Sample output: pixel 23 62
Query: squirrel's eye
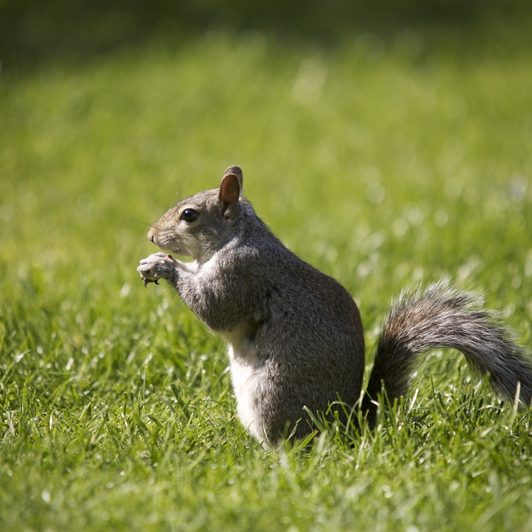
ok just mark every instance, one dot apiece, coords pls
pixel 189 215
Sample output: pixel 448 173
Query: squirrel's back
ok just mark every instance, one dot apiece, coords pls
pixel 305 333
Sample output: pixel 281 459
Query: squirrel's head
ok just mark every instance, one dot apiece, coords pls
pixel 201 224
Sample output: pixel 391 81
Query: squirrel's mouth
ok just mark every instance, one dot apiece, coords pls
pixel 162 242
pixel 171 246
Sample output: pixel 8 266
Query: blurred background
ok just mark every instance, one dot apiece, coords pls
pixel 381 140
pixel 35 30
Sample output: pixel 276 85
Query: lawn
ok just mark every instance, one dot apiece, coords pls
pixel 386 157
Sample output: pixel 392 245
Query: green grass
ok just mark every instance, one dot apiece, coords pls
pixel 383 160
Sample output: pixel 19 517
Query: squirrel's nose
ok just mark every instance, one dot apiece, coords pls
pixel 151 235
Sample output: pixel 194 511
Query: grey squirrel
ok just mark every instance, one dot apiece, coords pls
pixel 295 338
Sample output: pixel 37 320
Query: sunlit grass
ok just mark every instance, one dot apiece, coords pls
pixel 384 162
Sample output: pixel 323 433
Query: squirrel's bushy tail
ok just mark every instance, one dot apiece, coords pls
pixel 438 317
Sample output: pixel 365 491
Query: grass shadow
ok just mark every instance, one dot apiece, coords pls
pixel 32 33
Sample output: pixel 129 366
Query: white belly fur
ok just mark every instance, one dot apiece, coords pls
pixel 246 370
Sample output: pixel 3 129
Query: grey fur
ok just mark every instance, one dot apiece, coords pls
pixel 295 336
pixel 442 316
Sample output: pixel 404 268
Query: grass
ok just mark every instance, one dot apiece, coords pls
pixel 384 160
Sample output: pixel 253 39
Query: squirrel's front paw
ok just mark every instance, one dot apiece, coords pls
pixel 157 266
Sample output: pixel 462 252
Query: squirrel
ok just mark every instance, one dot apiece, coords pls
pixel 294 334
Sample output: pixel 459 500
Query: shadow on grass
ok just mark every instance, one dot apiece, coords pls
pixel 34 32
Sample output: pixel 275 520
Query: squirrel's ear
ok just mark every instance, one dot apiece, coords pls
pixel 231 186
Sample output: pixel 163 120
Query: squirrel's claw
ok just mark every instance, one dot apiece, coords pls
pixel 148 281
pixel 155 267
